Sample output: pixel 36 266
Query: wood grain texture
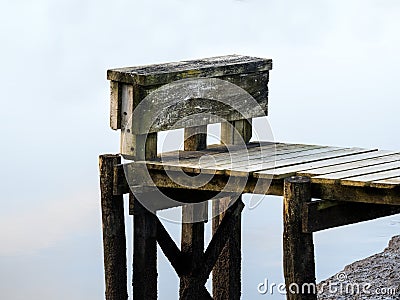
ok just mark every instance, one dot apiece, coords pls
pixel 362 174
pixel 144 279
pixel 298 247
pixel 308 169
pixel 192 234
pixel 236 132
pixel 115 105
pixel 201 102
pixel 114 241
pixel 227 269
pixel 365 165
pixel 207 67
pixel 128 142
pixel 386 183
pixel 316 216
pixel 195 138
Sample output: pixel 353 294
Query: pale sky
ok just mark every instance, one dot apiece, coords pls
pixel 334 82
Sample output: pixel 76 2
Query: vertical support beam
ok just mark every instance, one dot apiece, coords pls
pixel 144 280
pixel 227 270
pixel 145 146
pixel 115 105
pixel 114 242
pixel 233 132
pixel 195 138
pixel 192 236
pixel 127 142
pixel 138 147
pixel 192 247
pixel 298 247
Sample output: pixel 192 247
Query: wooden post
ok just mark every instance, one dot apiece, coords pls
pixel 227 270
pixel 144 280
pixel 114 242
pixel 192 236
pixel 298 247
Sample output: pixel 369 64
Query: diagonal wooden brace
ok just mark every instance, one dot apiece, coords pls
pixel 214 249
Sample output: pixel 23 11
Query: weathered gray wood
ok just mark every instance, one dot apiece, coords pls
pixel 259 168
pixel 227 269
pixel 386 183
pixel 137 147
pixel 359 174
pixel 365 180
pixel 208 67
pixel 307 169
pixel 353 193
pixel 192 246
pixel 192 236
pixel 221 155
pixel 201 102
pixel 353 166
pixel 115 105
pixel 195 138
pixel 220 238
pixel 144 279
pixel 171 251
pixel 236 132
pixel 114 242
pixel 320 215
pixel 320 191
pixel 140 147
pixel 127 143
pixel 218 151
pixel 248 78
pixel 298 247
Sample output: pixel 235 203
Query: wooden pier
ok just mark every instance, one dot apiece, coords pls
pixel 322 186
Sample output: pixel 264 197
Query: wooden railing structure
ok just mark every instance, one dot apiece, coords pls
pixel 322 187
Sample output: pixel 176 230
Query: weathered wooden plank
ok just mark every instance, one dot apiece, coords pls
pixel 386 183
pixel 192 246
pixel 227 269
pixel 224 232
pixel 266 152
pixel 215 150
pixel 114 241
pixel 237 132
pixel 348 167
pixel 260 170
pixel 257 155
pixel 317 215
pixel 319 191
pixel 283 172
pixel 208 67
pixel 144 279
pixel 252 163
pixel 364 194
pixel 171 250
pixel 357 172
pixel 195 138
pixel 238 152
pixel 192 235
pixel 365 180
pixel 115 105
pixel 128 144
pixel 361 176
pixel 201 102
pixel 298 247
